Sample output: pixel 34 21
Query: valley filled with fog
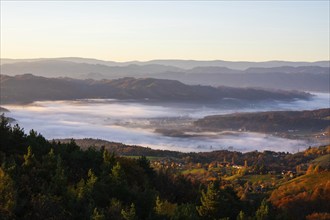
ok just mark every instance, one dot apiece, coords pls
pixel 143 123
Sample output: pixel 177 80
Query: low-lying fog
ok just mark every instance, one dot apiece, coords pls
pixel 135 123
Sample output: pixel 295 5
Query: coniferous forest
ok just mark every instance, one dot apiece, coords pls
pixel 40 179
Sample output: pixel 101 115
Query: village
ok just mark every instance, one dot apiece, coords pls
pixel 250 178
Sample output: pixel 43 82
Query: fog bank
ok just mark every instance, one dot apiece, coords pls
pixel 134 123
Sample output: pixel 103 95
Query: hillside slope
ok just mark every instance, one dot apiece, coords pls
pixel 274 121
pixel 28 88
pixel 304 195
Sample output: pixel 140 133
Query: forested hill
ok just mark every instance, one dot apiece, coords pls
pixel 289 161
pixel 273 121
pixel 28 88
pixel 51 180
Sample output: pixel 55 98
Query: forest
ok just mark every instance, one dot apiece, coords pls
pixel 42 179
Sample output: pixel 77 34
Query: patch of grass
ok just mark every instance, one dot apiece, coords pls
pixel 309 180
pixel 261 178
pixel 194 171
pixel 323 161
pixel 151 158
pixel 233 177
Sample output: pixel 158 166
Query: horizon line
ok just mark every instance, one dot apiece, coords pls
pixel 164 59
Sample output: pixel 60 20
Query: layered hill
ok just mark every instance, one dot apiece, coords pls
pixel 313 76
pixel 274 121
pixel 29 88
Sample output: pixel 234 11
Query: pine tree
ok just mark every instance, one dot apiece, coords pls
pixel 29 159
pixel 263 212
pixel 59 179
pixel 7 195
pixel 130 213
pixel 165 208
pixel 118 174
pixel 49 161
pixel 241 216
pixel 210 200
pixel 91 180
pixel 145 164
pixel 97 215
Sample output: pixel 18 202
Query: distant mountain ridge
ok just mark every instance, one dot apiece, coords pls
pixel 183 64
pixel 29 88
pixel 307 78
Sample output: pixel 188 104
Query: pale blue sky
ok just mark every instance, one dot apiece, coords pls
pixel 122 31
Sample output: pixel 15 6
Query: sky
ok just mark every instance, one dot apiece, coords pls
pixel 146 30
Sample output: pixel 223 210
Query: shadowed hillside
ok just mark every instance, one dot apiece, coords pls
pixel 28 88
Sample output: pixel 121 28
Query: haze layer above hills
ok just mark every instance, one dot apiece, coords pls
pixel 311 76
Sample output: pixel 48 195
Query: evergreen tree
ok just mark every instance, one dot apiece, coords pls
pixel 185 211
pixel 7 195
pixel 263 211
pixel 129 214
pixel 97 215
pixel 49 161
pixel 241 216
pixel 114 210
pixel 145 164
pixel 165 208
pixel 29 159
pixel 210 208
pixel 91 180
pixel 118 174
pixel 59 179
pixel 108 162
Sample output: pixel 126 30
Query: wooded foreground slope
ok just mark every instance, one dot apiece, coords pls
pixel 40 179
